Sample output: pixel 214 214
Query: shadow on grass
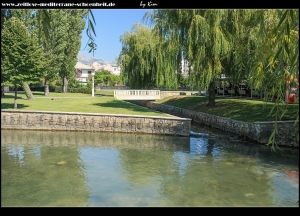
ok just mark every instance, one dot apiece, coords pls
pixel 12 96
pixel 124 105
pixel 104 95
pixel 191 103
pixel 38 94
pixel 242 110
pixel 11 106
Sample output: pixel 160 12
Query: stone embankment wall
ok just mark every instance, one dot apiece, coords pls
pixel 172 93
pixel 64 121
pixel 257 131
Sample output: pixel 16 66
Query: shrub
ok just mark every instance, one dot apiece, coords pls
pixel 58 89
pixel 82 89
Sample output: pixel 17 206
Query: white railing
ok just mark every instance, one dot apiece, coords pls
pixel 137 94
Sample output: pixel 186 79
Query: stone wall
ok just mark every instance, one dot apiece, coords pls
pixel 64 121
pixel 257 131
pixel 173 93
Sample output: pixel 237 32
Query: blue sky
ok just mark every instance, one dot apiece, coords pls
pixel 110 25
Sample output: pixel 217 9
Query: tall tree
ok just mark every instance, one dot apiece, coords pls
pixel 73 23
pixel 21 57
pixel 142 60
pixel 5 14
pixel 27 17
pixel 200 39
pixel 53 46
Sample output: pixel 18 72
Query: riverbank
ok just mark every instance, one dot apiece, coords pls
pixel 94 122
pixel 257 131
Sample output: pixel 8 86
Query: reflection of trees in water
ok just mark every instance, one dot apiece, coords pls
pixel 211 173
pixel 30 175
pixel 246 147
pixel 224 177
pixel 200 180
pixel 95 139
pixel 62 185
pixel 144 164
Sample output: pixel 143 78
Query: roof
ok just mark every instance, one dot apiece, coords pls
pixel 79 65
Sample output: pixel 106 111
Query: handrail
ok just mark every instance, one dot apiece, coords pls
pixel 137 94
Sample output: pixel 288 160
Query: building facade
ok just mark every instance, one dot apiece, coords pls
pixel 83 72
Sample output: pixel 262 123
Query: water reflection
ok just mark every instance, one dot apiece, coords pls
pixel 107 169
pixel 31 175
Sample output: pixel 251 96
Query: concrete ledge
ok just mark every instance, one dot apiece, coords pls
pixel 257 131
pixel 70 121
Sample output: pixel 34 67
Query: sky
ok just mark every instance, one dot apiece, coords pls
pixel 110 25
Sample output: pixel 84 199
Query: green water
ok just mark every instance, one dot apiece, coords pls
pixel 40 168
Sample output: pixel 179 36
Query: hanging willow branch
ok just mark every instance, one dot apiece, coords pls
pixel 90 31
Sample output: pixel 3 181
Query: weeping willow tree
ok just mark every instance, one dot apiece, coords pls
pixel 276 60
pixel 143 61
pixel 199 38
pixel 260 46
pixel 238 28
pixel 267 48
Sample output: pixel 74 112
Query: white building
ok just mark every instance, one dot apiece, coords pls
pixel 83 72
pixel 116 70
pixel 97 66
pixel 184 68
pixel 111 68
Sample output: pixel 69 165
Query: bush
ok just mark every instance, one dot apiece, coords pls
pixel 58 89
pixel 82 89
pixel 51 89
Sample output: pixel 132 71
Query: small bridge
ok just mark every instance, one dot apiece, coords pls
pixel 137 94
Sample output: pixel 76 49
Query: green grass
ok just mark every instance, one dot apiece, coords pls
pixel 238 109
pixel 105 92
pixel 104 102
pixel 75 102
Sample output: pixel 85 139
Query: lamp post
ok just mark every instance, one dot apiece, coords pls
pixel 93 73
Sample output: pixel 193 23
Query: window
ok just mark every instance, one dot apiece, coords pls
pixel 78 73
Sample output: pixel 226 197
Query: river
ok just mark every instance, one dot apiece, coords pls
pixel 210 168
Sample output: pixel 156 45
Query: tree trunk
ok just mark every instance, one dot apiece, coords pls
pixel 46 87
pixel 65 85
pixel 27 90
pixel 2 91
pixel 211 94
pixel 15 100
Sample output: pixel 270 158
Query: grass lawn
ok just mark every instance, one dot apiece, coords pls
pixel 238 109
pixel 105 92
pixel 104 102
pixel 76 102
